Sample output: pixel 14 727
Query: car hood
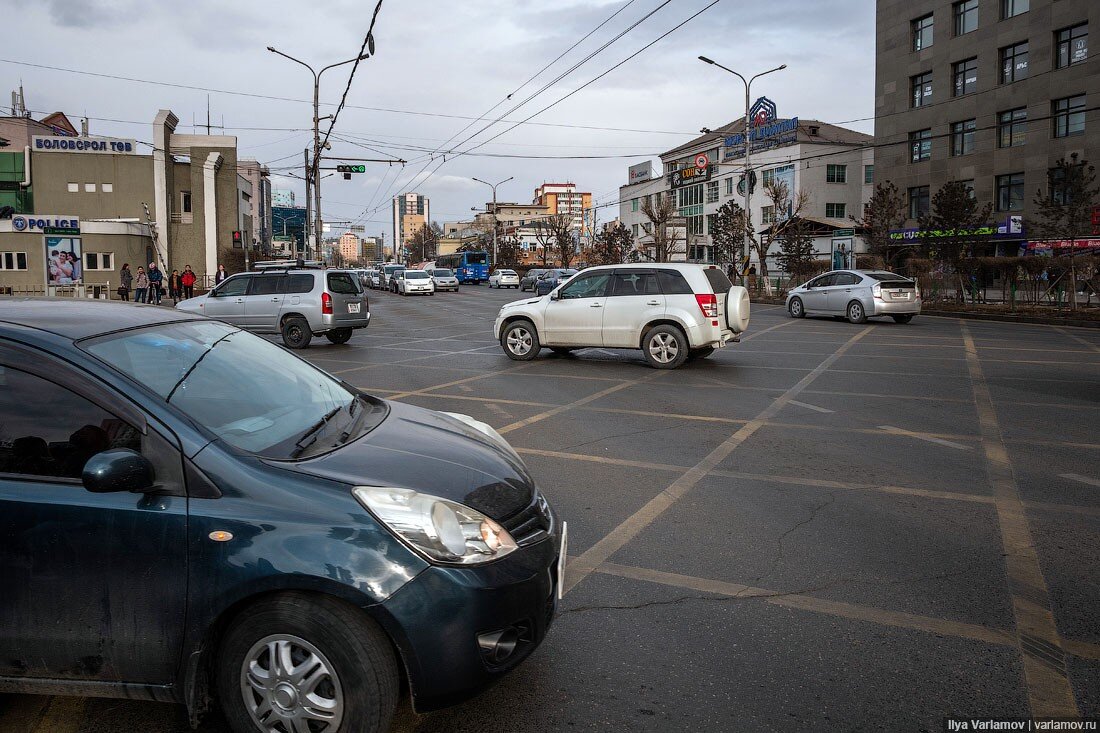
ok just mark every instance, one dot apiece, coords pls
pixel 432 453
pixel 191 305
pixel 525 301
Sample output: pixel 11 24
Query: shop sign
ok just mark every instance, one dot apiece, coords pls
pixel 766 131
pixel 60 144
pixel 640 172
pixel 689 175
pixel 1012 227
pixel 39 223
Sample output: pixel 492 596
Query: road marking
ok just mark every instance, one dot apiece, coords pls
pixel 873 395
pixel 577 403
pixel 1078 339
pixel 62 715
pixel 602 551
pixel 485 375
pixel 815 408
pixel 1049 691
pixel 1081 479
pixel 923 436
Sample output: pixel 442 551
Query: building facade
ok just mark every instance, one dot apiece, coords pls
pixel 564 198
pixel 260 202
pixel 282 197
pixel 411 211
pixel 988 92
pixel 350 248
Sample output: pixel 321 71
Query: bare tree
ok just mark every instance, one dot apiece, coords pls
pixel 796 250
pixel 565 246
pixel 948 227
pixel 885 211
pixel 508 251
pixel 661 212
pixel 611 246
pixel 546 238
pixel 1065 212
pixel 423 244
pixel 788 215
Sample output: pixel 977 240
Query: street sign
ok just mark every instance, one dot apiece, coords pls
pixel 60 230
pixel 844 232
pixel 701 160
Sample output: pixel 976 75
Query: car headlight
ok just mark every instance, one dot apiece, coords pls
pixel 442 531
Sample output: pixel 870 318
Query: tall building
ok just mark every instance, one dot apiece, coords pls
pixel 260 200
pixel 410 213
pixel 564 198
pixel 988 92
pixel 372 249
pixel 350 248
pixel 284 198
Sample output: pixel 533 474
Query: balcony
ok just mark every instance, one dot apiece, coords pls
pixel 181 217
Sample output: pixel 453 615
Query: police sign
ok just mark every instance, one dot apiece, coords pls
pixel 39 223
pixel 60 144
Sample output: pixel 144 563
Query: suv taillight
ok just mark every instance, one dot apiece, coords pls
pixel 326 304
pixel 708 303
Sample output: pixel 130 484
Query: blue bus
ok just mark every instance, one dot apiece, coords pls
pixel 468 267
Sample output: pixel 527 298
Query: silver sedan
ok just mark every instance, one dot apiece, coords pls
pixel 856 295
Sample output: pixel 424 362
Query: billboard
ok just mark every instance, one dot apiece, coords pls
pixel 640 172
pixel 64 265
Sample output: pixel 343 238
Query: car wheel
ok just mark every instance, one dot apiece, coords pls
pixel 855 312
pixel 302 662
pixel 665 347
pixel 296 333
pixel 562 350
pixel 520 341
pixel 906 318
pixel 796 309
pixel 701 353
pixel 339 335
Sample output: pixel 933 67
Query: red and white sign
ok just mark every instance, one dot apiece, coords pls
pixel 701 160
pixel 1064 244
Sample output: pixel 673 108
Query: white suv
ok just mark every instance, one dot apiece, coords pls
pixel 672 312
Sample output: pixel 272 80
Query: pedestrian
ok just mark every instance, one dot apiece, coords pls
pixel 126 281
pixel 220 275
pixel 187 281
pixel 175 286
pixel 752 278
pixel 141 286
pixel 156 282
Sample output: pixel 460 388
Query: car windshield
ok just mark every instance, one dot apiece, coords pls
pixel 249 392
pixel 416 275
pixel 443 273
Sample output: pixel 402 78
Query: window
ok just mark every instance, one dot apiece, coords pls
pixel 13 261
pixel 633 204
pixel 869 174
pixel 729 186
pixel 1072 46
pixel 185 202
pixel 1069 116
pixel 835 211
pixel 922 33
pixel 74 187
pixel 89 188
pixel 699 253
pixel 1012 128
pixel 965 73
pixel 626 283
pixel 920 146
pixel 712 191
pixel 969 185
pixel 822 282
pixel 1056 182
pixel 1014 63
pixel 767 214
pixel 99 261
pixel 769 176
pixel 267 284
pixel 694 225
pixel 673 283
pixel 634 230
pixel 921 88
pixel 1010 192
pixel 54 431
pixel 1011 8
pixel 712 223
pixel 299 283
pixel 836 173
pixel 107 187
pixel 918 202
pixel 966 16
pixel 962 137
pixel 237 285
pixel 846 278
pixel 586 286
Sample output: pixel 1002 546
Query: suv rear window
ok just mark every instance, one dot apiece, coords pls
pixel 299 283
pixel 673 283
pixel 342 283
pixel 719 283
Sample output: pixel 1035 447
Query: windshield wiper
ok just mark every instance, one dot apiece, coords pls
pixel 309 437
pixel 356 419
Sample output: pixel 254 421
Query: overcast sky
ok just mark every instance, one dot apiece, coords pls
pixel 442 60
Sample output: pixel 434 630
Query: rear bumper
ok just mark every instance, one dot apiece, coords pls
pixel 893 308
pixel 329 322
pixel 700 335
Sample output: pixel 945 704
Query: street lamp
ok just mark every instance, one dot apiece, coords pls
pixel 494 187
pixel 748 143
pixel 316 167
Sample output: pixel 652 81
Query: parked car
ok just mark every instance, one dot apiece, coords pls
pixel 388 271
pixel 411 282
pixel 857 295
pixel 504 279
pixel 297 303
pixel 192 512
pixel 444 279
pixel 527 282
pixel 376 279
pixel 672 312
pixel 551 279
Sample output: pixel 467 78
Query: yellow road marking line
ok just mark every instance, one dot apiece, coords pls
pixel 1078 339
pixel 923 436
pixel 1081 479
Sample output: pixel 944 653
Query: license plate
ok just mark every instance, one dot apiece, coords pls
pixel 562 557
pixel 901 295
pixel 354 307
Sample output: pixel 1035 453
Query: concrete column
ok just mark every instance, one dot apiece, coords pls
pixel 164 125
pixel 210 210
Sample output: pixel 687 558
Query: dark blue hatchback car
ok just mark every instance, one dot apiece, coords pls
pixel 190 512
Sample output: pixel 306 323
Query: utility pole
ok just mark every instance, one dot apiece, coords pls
pixel 494 187
pixel 308 223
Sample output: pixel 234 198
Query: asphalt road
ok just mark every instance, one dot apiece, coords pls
pixel 825 527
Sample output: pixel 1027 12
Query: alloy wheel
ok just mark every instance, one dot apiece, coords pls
pixel 519 341
pixel 664 347
pixel 288 685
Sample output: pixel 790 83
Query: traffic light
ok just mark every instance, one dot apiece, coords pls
pixel 347 170
pixel 237 241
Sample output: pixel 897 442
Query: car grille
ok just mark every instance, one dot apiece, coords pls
pixel 531 524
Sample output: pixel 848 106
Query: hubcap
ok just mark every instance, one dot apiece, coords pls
pixel 664 347
pixel 288 686
pixel 856 311
pixel 520 341
pixel 796 307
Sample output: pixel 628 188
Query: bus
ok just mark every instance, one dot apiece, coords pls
pixel 468 267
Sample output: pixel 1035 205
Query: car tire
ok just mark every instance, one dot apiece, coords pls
pixel 665 347
pixel 351 656
pixel 339 335
pixel 295 332
pixel 700 353
pixel 904 318
pixel 856 312
pixel 796 309
pixel 520 341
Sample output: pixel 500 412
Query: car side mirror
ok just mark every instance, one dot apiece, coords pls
pixel 555 295
pixel 117 470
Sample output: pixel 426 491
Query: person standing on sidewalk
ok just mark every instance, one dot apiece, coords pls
pixel 125 281
pixel 187 281
pixel 156 282
pixel 175 286
pixel 220 275
pixel 141 285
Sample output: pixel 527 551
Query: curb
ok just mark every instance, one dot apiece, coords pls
pixel 1008 318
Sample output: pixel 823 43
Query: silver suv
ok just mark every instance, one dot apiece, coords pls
pixel 296 303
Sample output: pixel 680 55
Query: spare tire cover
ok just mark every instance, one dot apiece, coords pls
pixel 737 309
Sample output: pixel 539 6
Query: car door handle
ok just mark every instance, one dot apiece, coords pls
pixel 274 300
pixel 596 305
pixel 847 290
pixel 653 302
pixel 240 300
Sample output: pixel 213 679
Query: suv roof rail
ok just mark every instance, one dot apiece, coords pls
pixel 288 265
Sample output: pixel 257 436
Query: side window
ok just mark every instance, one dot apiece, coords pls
pixel 267 284
pixel 297 284
pixel 848 279
pixel 634 283
pixel 823 281
pixel 51 431
pixel 233 286
pixel 673 283
pixel 342 283
pixel 590 286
